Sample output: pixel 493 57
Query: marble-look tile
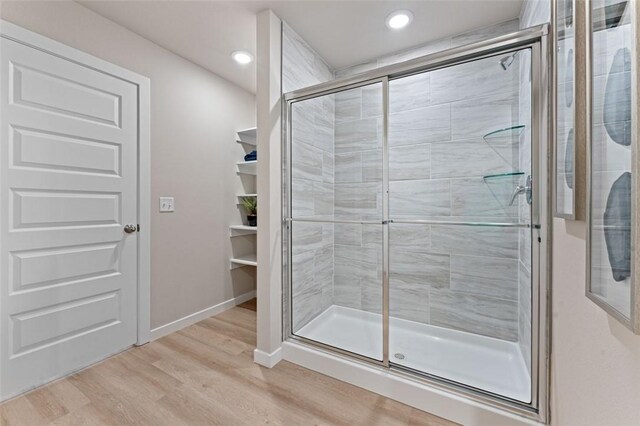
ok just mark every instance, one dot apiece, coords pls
pixel 305 307
pixel 357 135
pixel 306 237
pixel 409 302
pixel 327 296
pixel 372 166
pixel 328 167
pixel 474 313
pixel 475 240
pixel 346 290
pixel 324 129
pixel 524 313
pixel 471 80
pixel 323 265
pixel 302 272
pixel 487 276
pixel 355 201
pixel 371 296
pixel 473 118
pixel 372 238
pixel 422 125
pixel 323 199
pixel 372 100
pixel 524 341
pixel 358 262
pixel 419 199
pixel 409 237
pixel 301 65
pixel 474 197
pixel 348 105
pixel 355 267
pixel 348 234
pixel 468 158
pixel 302 203
pixel 524 246
pixel 524 292
pixel 303 123
pixel 419 268
pixel 410 162
pixel 348 167
pixel 409 93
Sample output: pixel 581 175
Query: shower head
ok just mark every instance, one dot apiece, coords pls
pixel 506 62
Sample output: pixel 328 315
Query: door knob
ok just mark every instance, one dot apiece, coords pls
pixel 130 228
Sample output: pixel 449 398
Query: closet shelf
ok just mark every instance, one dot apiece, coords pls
pixel 247 195
pixel 246 260
pixel 247 167
pixel 237 230
pixel 247 136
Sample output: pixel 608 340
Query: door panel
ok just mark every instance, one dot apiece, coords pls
pixel 336 220
pixel 459 237
pixel 68 186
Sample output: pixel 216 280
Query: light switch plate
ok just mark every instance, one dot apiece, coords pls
pixel 166 205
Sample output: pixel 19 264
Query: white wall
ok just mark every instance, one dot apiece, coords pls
pixel 595 361
pixel 194 116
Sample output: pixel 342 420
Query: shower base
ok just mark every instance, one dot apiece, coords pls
pixel 485 363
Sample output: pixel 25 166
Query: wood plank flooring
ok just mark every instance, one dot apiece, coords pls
pixel 251 304
pixel 204 375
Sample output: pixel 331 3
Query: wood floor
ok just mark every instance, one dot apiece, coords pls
pixel 204 375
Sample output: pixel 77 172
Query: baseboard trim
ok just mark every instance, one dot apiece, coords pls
pixel 181 323
pixel 416 394
pixel 265 359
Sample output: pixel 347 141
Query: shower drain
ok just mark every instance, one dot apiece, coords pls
pixel 399 355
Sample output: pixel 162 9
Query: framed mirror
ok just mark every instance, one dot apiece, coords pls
pixel 612 183
pixel 564 71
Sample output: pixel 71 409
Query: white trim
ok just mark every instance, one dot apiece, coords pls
pixel 144 211
pixel 267 360
pixel 191 319
pixel 395 386
pixel 52 47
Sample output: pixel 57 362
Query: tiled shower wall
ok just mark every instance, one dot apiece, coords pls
pixel 464 278
pixel 312 180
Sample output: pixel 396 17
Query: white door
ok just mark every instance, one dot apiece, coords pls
pixel 68 185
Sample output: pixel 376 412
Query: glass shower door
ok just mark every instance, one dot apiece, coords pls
pixel 459 167
pixel 336 212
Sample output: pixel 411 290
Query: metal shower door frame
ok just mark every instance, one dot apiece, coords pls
pixel 538 41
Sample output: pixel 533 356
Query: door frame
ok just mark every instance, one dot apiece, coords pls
pixel 44 44
pixel 537 38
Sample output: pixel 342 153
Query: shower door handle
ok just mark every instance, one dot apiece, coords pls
pixel 526 189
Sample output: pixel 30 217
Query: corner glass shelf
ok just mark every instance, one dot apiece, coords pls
pixel 506 134
pixel 503 185
pixel 502 176
pixel 505 143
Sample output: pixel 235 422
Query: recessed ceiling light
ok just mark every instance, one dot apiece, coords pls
pixel 399 19
pixel 242 57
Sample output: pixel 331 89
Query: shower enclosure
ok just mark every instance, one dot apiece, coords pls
pixel 413 217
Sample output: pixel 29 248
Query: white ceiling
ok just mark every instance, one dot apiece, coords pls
pixel 343 32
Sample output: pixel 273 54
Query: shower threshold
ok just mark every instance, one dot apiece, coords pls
pixel 485 363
